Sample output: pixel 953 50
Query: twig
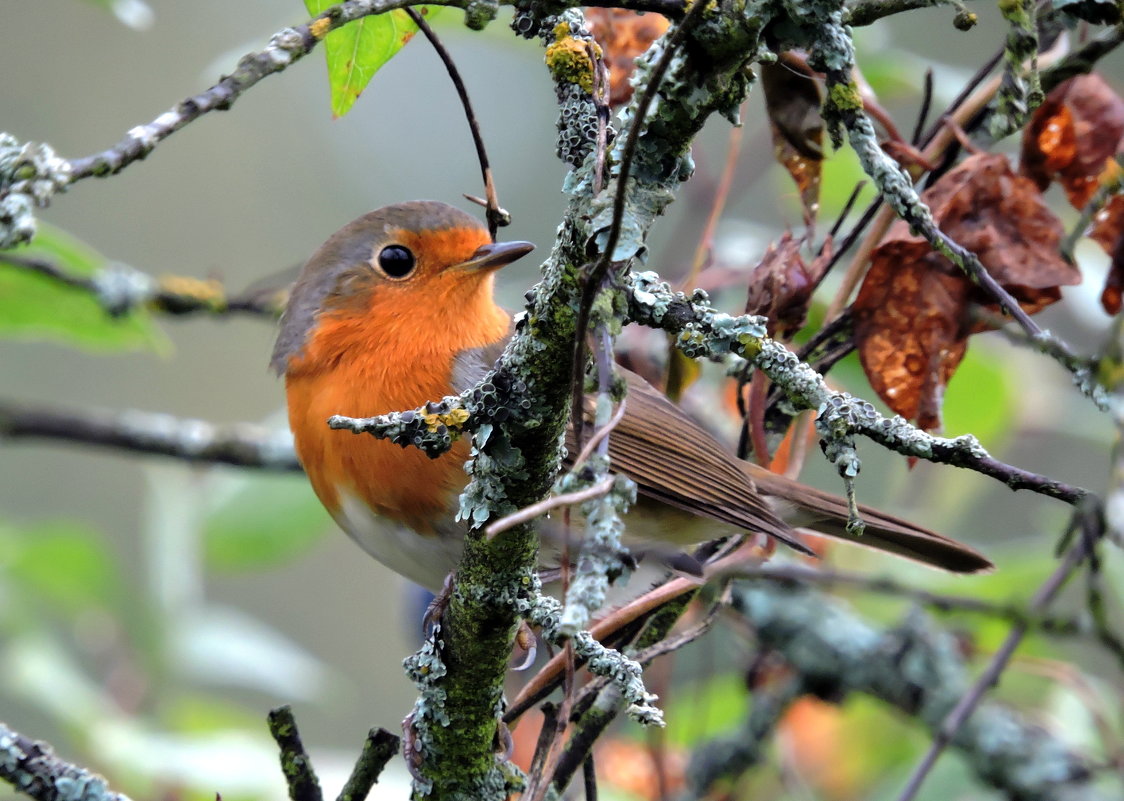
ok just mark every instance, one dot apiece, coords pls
pixel 295 764
pixel 378 749
pixel 32 768
pixel 923 111
pixel 196 441
pixel 529 513
pixel 596 275
pixel 599 435
pixel 589 775
pixel 119 289
pixel 496 216
pixel 285 47
pixel 718 205
pixel 546 679
pixel 959 715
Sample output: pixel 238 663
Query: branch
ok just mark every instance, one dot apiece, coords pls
pixel 958 718
pixel 32 768
pixel 867 12
pixel 120 289
pixel 295 762
pixel 30 174
pixel 241 445
pixel 701 331
pixel 915 667
pixel 378 749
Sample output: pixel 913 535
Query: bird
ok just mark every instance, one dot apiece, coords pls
pixel 397 308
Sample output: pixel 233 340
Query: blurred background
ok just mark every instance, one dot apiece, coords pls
pixel 151 612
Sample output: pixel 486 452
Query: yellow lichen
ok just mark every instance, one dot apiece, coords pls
pixel 452 420
pixel 319 27
pixel 569 59
pixel 209 292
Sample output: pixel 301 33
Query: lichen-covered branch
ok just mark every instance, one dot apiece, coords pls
pixel 295 762
pixel 516 442
pixel 378 749
pixel 966 711
pixel 32 768
pixel 30 174
pixel 915 667
pixel 120 289
pixel 703 332
pixel 197 441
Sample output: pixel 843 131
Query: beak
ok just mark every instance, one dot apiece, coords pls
pixel 496 255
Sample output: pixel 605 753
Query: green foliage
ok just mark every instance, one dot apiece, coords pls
pixel 262 520
pixel 700 712
pixel 359 49
pixel 37 307
pixel 982 397
pixel 60 565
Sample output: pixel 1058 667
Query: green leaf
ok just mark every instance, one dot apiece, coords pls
pixel 981 398
pixel 359 49
pixel 262 520
pixel 64 565
pixel 38 308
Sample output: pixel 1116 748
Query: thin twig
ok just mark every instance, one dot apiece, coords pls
pixel 596 275
pixel 176 295
pixel 496 216
pixel 196 441
pixel 721 194
pixel 589 776
pixel 990 676
pixel 923 111
pixel 285 47
pixel 529 513
pixel 600 435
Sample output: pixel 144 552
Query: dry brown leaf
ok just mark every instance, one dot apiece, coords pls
pixel 909 327
pixel 1108 232
pixel 623 35
pixel 792 101
pixel 913 314
pixel 1072 134
pixel 781 286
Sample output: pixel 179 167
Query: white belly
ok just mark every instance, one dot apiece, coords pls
pixel 424 560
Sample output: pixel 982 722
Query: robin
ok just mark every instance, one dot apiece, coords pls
pixel 397 308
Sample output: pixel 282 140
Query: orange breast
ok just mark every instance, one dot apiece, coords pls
pixel 402 484
pixel 353 367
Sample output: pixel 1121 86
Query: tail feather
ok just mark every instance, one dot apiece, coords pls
pixel 824 513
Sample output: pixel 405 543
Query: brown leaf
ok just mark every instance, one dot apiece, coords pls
pixel 909 327
pixel 781 286
pixel 1076 129
pixel 913 314
pixel 1108 232
pixel 623 35
pixel 792 100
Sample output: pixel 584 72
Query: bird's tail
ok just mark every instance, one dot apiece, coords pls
pixel 806 507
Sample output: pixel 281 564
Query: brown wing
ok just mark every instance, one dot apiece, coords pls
pixel 675 461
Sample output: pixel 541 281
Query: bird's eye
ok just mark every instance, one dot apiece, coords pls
pixel 396 261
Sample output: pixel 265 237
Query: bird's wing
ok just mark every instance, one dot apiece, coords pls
pixel 675 461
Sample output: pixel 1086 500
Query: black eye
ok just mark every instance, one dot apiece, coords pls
pixel 396 261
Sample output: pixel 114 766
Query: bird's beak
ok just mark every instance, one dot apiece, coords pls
pixel 495 255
